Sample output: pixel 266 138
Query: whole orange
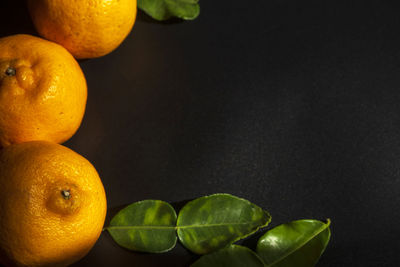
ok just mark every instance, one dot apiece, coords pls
pixel 87 28
pixel 52 205
pixel 42 91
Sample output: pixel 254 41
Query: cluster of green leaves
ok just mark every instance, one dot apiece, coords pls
pixel 166 9
pixel 211 224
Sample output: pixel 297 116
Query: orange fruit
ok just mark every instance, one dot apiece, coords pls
pixel 42 91
pixel 52 205
pixel 87 28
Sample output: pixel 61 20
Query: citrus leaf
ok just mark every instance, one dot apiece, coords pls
pixel 147 226
pixel 213 222
pixel 165 9
pixel 299 243
pixel 232 256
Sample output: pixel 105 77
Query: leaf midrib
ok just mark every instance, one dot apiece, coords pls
pixel 175 227
pixel 300 246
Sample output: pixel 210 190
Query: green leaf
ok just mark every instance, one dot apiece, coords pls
pixel 147 226
pixel 165 9
pixel 232 256
pixel 213 222
pixel 299 243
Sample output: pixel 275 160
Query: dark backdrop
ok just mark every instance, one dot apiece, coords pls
pixel 293 105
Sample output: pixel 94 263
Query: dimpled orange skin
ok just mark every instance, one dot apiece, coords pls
pixel 45 99
pixel 87 28
pixel 38 225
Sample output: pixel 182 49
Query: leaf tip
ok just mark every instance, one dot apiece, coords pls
pixel 328 222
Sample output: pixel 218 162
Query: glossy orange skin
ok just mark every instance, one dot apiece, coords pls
pixel 38 225
pixel 46 98
pixel 87 28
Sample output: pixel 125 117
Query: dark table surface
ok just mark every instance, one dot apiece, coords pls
pixel 293 105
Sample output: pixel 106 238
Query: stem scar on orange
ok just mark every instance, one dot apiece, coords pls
pixel 52 205
pixel 43 91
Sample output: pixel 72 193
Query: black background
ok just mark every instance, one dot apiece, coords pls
pixel 293 105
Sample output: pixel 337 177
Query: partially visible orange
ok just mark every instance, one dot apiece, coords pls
pixel 42 91
pixel 87 28
pixel 52 205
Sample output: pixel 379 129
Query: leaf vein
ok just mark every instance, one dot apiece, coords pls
pixel 175 227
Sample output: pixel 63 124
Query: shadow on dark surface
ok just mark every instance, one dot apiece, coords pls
pixel 251 241
pixel 180 204
pixel 124 257
pixel 143 17
pixel 15 19
pixel 111 212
